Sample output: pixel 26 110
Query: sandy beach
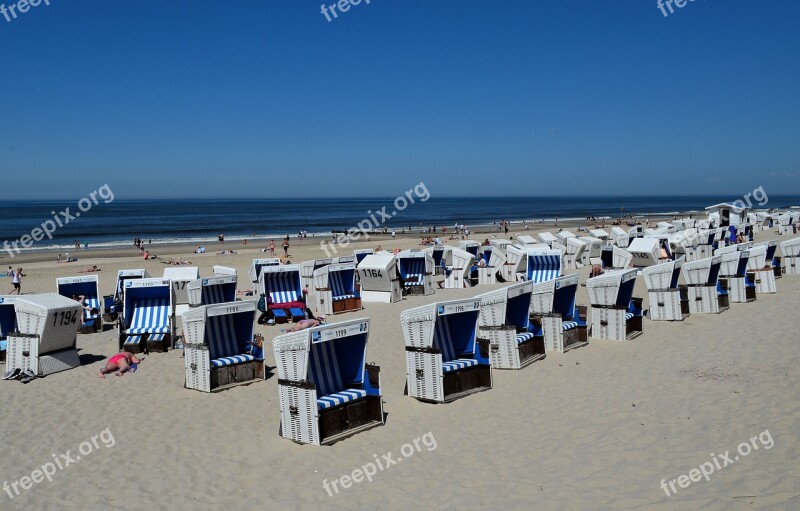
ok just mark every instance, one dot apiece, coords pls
pixel 596 428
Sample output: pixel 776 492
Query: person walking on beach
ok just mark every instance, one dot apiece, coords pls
pixel 286 246
pixel 16 280
pixel 272 248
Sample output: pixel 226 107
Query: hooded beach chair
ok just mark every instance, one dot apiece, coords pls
pixel 307 269
pixel 492 272
pixel 335 289
pixel 740 283
pixel 219 351
pixel 669 301
pixel 576 247
pixel 378 277
pixel 258 264
pixel 790 256
pixel 148 320
pixel 112 304
pixel 180 276
pixel 8 323
pixel 614 258
pixel 555 312
pixel 361 253
pixel 458 274
pixel 706 293
pixel 416 269
pixel 439 255
pixel 616 314
pixel 88 287
pixel 46 340
pixel 761 266
pixel 548 238
pixel 621 237
pixel 600 234
pixel 444 358
pixel 645 252
pixel 514 342
pixel 500 244
pixel 594 247
pixel 542 265
pixel 470 246
pixel 327 390
pixel 212 290
pixel 281 285
pixel 523 240
pixel 771 259
pixel 514 267
pixel 223 271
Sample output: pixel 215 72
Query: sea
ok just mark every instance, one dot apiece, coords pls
pixel 117 223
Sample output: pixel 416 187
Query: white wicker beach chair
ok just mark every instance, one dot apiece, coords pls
pixel 444 358
pixel 335 289
pixel 705 292
pixel 219 349
pixel 180 277
pixel 378 276
pixel 212 290
pixel 46 340
pixel 576 247
pixel 504 320
pixel 600 234
pixel 8 323
pixel 645 252
pixel 112 304
pixel 361 253
pixel 327 390
pixel 500 244
pixel 458 273
pixel 593 250
pixel 669 301
pixel 523 240
pixel 616 313
pixel 282 286
pixel 790 256
pixel 223 271
pixel 621 237
pixel 258 264
pixel 307 269
pixel 87 286
pixel 741 283
pixel 554 311
pixel 761 267
pixel 615 258
pixel 548 238
pixel 416 269
pixel 147 322
pixel 470 246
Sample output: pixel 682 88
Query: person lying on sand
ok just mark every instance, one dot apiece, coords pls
pixel 93 269
pixel 122 362
pixel 303 324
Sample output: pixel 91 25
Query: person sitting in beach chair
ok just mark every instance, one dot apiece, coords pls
pixel 120 364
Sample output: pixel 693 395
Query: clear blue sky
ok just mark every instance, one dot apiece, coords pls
pixel 180 98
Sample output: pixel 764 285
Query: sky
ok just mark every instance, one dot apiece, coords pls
pixel 269 99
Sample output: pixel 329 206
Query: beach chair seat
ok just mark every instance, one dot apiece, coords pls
pixel 133 340
pixel 281 316
pixel 569 325
pixel 217 353
pixel 340 398
pixel 297 314
pixel 524 337
pixel 150 316
pixel 457 364
pixel 228 361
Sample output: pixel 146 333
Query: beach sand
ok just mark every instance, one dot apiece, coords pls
pixel 595 428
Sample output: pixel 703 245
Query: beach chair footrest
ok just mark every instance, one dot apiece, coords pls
pixel 239 373
pixel 342 421
pixel 463 382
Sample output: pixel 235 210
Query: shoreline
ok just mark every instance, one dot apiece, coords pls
pixel 213 247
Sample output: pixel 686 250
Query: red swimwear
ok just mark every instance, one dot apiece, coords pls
pixel 116 358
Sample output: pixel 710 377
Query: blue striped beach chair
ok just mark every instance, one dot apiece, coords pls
pixel 515 341
pixel 444 358
pixel 147 323
pixel 554 307
pixel 219 349
pixel 543 265
pixel 706 293
pixel 89 287
pixel 416 269
pixel 112 304
pixel 8 322
pixel 208 291
pixel 282 286
pixel 616 313
pixel 339 293
pixel 668 300
pixel 327 391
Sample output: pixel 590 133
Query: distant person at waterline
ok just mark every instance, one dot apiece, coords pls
pixel 16 281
